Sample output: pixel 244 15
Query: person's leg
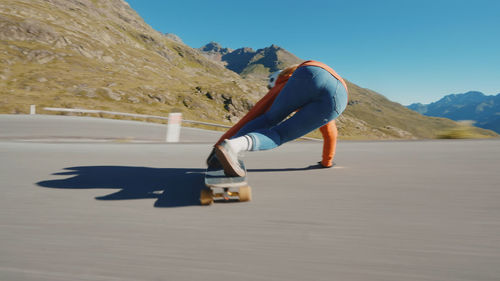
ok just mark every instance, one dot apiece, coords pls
pixel 312 116
pixel 324 107
pixel 299 90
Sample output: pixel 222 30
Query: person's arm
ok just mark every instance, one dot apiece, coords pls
pixel 258 109
pixel 330 133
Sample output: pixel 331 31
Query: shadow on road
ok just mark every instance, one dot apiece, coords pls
pixel 311 167
pixel 171 187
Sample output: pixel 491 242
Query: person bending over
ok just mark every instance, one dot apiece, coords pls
pixel 317 95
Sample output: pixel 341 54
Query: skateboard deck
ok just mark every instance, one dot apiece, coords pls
pixel 223 188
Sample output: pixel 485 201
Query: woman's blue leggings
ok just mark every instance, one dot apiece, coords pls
pixel 320 98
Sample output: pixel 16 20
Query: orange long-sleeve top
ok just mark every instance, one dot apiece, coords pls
pixel 328 131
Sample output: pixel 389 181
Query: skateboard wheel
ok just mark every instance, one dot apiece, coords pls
pixel 206 197
pixel 245 193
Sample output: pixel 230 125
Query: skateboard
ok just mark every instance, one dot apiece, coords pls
pixel 223 188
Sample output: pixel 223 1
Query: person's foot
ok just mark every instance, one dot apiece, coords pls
pixel 212 161
pixel 229 160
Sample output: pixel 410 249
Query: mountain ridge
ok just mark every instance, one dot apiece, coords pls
pixel 249 62
pixel 483 109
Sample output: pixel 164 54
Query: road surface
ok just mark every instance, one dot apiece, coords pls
pixel 77 202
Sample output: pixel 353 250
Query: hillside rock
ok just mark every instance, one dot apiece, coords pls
pixel 174 37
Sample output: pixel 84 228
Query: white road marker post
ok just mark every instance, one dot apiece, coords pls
pixel 174 127
pixel 32 109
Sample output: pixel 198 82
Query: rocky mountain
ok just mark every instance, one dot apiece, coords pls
pixel 97 53
pixel 475 106
pixel 370 113
pixel 248 62
pixel 100 54
pixel 215 51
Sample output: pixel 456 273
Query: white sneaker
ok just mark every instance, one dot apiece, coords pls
pixel 229 160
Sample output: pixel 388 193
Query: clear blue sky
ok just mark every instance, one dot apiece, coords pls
pixel 407 50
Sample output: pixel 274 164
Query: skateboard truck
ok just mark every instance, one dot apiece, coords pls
pixel 222 188
pixel 225 194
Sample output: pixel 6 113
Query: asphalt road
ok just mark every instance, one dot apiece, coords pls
pixel 71 128
pixel 79 203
